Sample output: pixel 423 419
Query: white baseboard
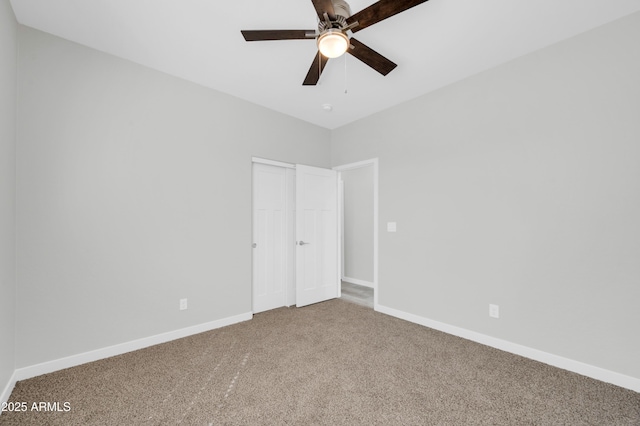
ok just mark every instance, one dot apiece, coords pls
pixel 83 358
pixel 6 393
pixel 358 282
pixel 588 370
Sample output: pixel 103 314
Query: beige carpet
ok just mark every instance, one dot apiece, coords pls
pixel 332 363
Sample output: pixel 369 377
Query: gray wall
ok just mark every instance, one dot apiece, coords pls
pixel 134 190
pixel 358 223
pixel 519 187
pixel 8 64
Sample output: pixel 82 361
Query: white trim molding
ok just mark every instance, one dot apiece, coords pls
pixel 574 366
pixel 6 393
pixel 358 282
pixel 356 165
pixel 272 162
pixel 98 354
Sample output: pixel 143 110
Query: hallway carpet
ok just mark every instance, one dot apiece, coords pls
pixel 333 363
pixel 357 294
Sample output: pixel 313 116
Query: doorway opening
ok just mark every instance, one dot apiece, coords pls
pixel 359 231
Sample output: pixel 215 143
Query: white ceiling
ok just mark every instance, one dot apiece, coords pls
pixel 434 44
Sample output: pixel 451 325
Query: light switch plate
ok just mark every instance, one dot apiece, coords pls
pixel 391 227
pixel 494 311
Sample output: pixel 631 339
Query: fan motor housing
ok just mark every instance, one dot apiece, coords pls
pixel 339 23
pixel 341 8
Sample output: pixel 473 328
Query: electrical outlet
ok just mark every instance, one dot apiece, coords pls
pixel 183 304
pixel 494 311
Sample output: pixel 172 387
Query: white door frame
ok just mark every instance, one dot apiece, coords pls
pixel 351 166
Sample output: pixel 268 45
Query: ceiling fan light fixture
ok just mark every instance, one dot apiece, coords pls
pixel 333 43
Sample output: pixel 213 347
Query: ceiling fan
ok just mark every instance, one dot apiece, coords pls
pixel 332 36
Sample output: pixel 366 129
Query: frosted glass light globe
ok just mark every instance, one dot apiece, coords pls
pixel 333 43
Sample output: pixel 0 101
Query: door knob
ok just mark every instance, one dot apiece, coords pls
pixel 303 243
pixel 254 245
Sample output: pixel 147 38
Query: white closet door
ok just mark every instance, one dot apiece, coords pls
pixel 270 252
pixel 317 275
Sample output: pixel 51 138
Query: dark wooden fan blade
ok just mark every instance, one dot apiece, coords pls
pixel 379 11
pixel 316 69
pixel 261 35
pixel 371 57
pixel 323 6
